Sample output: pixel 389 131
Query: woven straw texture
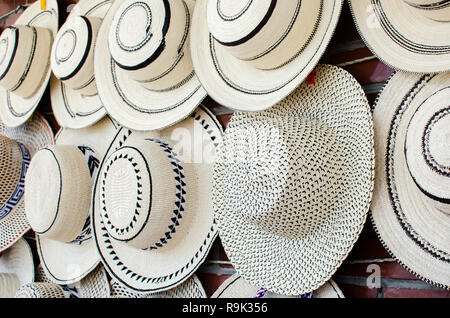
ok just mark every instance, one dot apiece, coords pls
pixel 40 290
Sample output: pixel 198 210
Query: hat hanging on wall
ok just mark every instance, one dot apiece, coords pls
pixel 411 204
pixel 408 35
pixel 75 100
pixel 249 55
pixel 24 62
pixel 142 54
pixel 292 184
pixel 58 200
pixel 152 213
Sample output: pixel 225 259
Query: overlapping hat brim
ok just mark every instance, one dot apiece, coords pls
pixel 67 263
pixel 15 110
pixel 402 37
pixel 148 271
pixel 240 86
pixel 411 229
pixel 131 104
pixel 72 109
pixel 18 260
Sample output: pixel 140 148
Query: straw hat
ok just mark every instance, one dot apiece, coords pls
pixel 41 290
pixel 249 55
pixel 17 146
pixel 292 184
pixel 16 268
pixel 24 62
pixel 152 213
pixel 411 204
pixel 73 91
pixel 409 35
pixel 147 79
pixel 58 196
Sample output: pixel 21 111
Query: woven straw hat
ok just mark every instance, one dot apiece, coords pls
pixel 411 205
pixel 249 55
pixel 152 213
pixel 409 35
pixel 147 79
pixel 24 62
pixel 75 100
pixel 41 290
pixel 292 184
pixel 58 199
pixel 16 268
pixel 17 146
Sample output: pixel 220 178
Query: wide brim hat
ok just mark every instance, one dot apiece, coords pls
pixel 72 108
pixel 293 184
pixel 412 36
pixel 128 101
pixel 155 244
pixel 237 83
pixel 14 109
pixel 410 209
pixel 34 134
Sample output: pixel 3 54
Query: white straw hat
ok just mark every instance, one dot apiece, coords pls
pixel 409 35
pixel 24 62
pixel 152 213
pixel 292 184
pixel 145 76
pixel 75 100
pixel 411 204
pixel 16 268
pixel 17 146
pixel 58 199
pixel 249 55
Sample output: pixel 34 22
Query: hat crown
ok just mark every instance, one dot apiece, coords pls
pixel 9 284
pixel 432 9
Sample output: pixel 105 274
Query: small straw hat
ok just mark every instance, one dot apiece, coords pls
pixel 145 76
pixel 73 90
pixel 293 184
pixel 58 200
pixel 152 213
pixel 249 55
pixel 411 204
pixel 24 62
pixel 408 35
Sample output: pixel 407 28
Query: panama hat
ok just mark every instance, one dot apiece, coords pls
pixel 152 213
pixel 413 35
pixel 17 146
pixel 16 268
pixel 292 184
pixel 24 62
pixel 142 58
pixel 57 200
pixel 75 100
pixel 411 204
pixel 249 55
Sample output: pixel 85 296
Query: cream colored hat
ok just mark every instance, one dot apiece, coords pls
pixel 145 76
pixel 58 199
pixel 292 184
pixel 249 55
pixel 411 205
pixel 41 290
pixel 152 213
pixel 16 268
pixel 408 35
pixel 73 89
pixel 17 146
pixel 24 62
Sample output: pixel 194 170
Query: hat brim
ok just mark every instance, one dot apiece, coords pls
pixel 18 260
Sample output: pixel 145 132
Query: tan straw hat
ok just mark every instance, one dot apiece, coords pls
pixel 17 146
pixel 58 199
pixel 408 35
pixel 145 76
pixel 73 89
pixel 411 204
pixel 249 55
pixel 152 214
pixel 293 184
pixel 24 61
